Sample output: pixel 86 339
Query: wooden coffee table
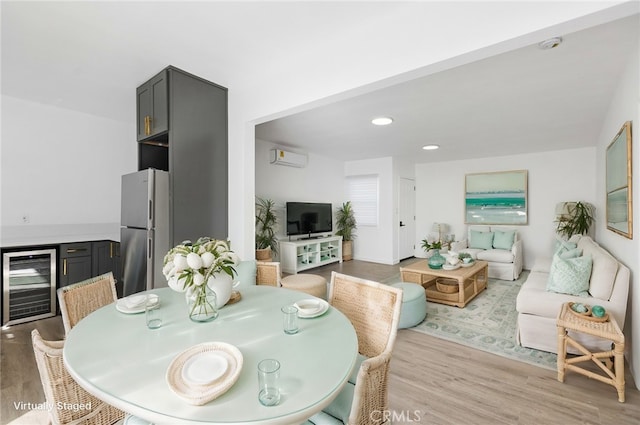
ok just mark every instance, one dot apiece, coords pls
pixel 471 281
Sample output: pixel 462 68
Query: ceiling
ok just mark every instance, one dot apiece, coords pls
pixel 90 56
pixel 522 101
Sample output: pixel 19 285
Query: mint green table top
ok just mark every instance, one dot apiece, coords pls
pixel 116 358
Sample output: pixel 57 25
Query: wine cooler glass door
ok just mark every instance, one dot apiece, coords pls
pixel 29 285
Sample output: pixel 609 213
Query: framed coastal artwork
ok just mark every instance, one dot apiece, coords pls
pixel 619 205
pixel 496 198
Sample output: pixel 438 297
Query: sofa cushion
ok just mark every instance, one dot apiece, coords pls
pixel 534 299
pixel 604 269
pixel 481 240
pixel 495 256
pixel 542 264
pixel 503 240
pixel 570 275
pixel 473 252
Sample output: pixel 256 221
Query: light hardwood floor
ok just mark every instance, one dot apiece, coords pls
pixel 432 381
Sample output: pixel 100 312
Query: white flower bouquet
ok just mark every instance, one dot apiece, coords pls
pixel 195 269
pixel 188 264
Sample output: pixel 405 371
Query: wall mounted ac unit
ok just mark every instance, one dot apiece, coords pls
pixel 291 159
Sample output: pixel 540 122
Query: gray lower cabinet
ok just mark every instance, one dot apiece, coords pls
pixel 194 150
pixel 82 260
pixel 106 258
pixel 75 262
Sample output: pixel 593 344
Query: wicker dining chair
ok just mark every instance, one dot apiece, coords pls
pixel 80 299
pixel 60 388
pixel 374 312
pixel 268 273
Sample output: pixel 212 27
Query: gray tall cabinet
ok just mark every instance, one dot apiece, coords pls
pixel 182 129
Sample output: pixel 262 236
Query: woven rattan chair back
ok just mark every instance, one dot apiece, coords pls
pixel 374 312
pixel 80 299
pixel 268 273
pixel 61 390
pixel 372 308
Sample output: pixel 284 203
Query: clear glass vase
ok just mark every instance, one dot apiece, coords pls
pixel 436 261
pixel 201 304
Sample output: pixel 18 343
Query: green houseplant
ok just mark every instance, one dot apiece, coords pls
pixel 427 246
pixel 346 225
pixel 576 218
pixel 266 220
pixel 435 260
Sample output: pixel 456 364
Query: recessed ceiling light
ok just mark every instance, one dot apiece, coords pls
pixel 430 147
pixel 550 43
pixel 382 121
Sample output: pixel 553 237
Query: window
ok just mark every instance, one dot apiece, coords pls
pixel 362 191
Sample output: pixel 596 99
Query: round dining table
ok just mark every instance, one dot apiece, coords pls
pixel 115 357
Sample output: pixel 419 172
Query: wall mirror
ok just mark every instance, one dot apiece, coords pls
pixel 619 202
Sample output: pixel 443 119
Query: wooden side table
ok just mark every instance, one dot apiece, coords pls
pixel 613 372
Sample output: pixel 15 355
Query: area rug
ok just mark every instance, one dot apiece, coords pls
pixel 487 323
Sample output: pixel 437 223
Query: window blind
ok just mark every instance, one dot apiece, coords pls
pixel 362 191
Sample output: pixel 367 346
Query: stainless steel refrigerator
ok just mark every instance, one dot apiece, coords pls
pixel 144 232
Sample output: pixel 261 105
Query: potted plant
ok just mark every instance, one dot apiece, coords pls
pixel 465 257
pixel 436 261
pixel 428 246
pixel 346 224
pixel 576 218
pixel 266 220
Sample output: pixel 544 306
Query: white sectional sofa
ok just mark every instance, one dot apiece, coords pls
pixel 607 285
pixel 501 247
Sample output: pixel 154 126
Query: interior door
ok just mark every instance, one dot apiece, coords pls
pixel 407 217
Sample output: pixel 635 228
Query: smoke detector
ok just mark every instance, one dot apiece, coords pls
pixel 550 43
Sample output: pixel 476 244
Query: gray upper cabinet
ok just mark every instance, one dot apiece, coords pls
pixel 194 150
pixel 153 107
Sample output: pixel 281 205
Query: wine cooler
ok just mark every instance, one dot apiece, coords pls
pixel 28 285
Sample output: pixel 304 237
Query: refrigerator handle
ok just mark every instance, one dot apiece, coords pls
pixel 151 211
pixel 150 248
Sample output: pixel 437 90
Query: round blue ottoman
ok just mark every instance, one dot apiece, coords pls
pixel 414 304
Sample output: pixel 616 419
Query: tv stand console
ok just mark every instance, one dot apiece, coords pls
pixel 304 254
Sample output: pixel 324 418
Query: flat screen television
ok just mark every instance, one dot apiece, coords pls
pixel 307 218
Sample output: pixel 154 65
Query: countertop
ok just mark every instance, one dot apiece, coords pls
pixel 35 235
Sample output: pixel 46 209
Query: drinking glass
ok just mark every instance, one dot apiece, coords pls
pixel 290 319
pixel 268 377
pixel 152 312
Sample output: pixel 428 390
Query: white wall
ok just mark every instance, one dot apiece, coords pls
pixel 624 107
pixel 60 168
pixel 552 177
pixel 376 243
pixel 322 180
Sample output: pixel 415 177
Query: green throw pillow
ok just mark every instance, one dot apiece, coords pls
pixel 570 275
pixel 571 253
pixel 504 240
pixel 562 246
pixel 481 240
